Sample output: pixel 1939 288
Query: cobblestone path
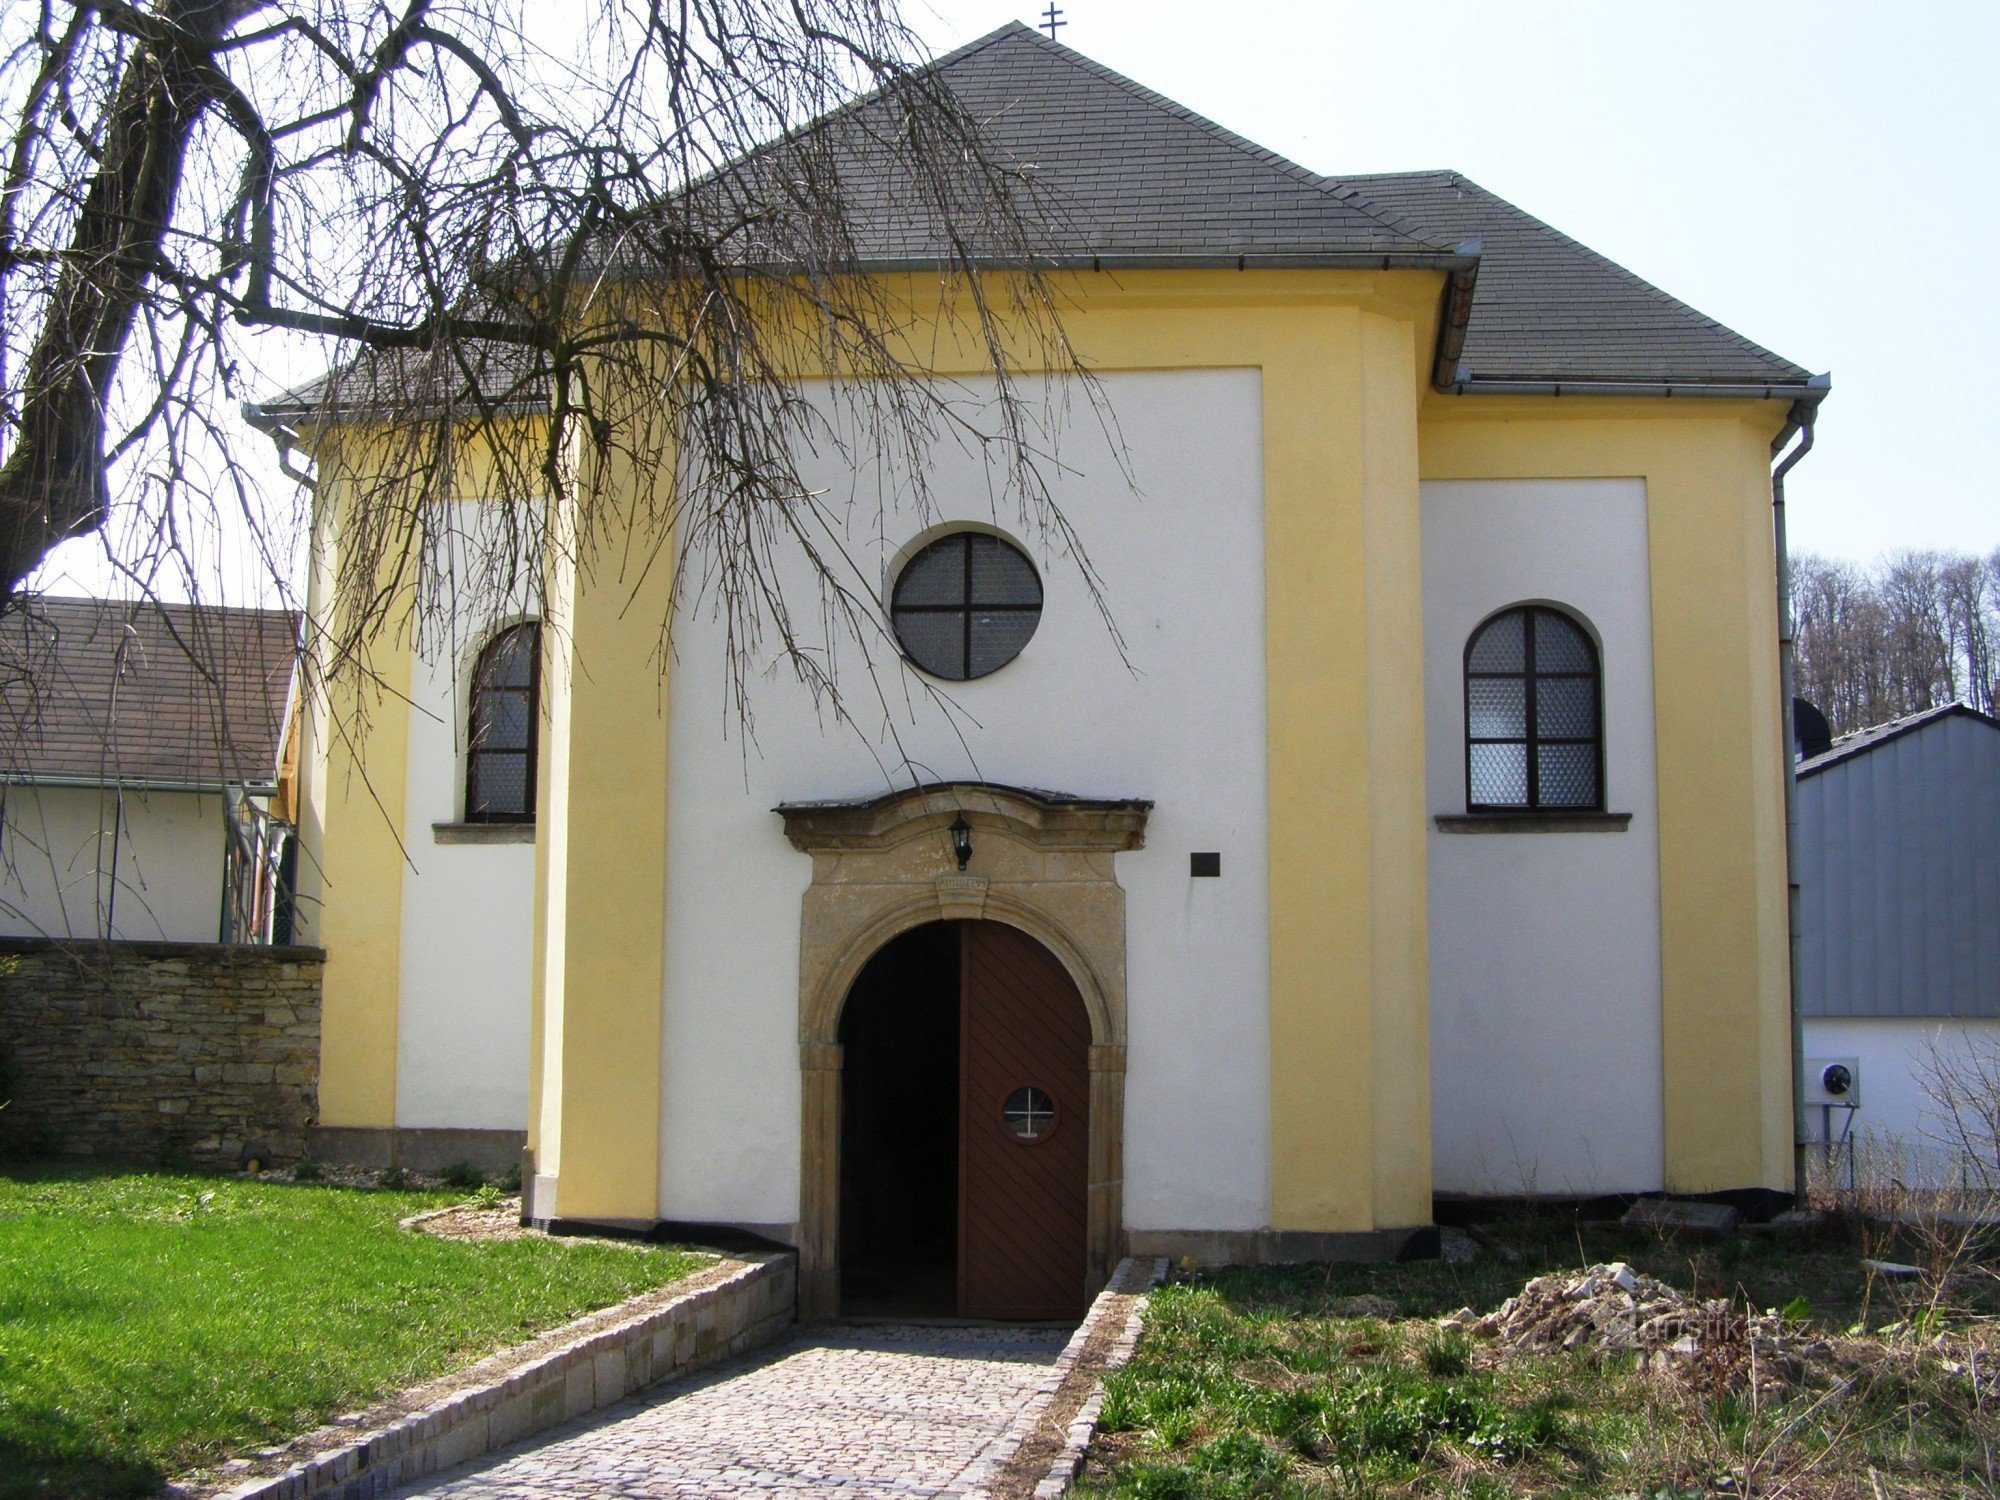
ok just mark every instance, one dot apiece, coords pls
pixel 902 1412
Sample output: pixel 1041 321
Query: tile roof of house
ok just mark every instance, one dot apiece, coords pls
pixel 120 691
pixel 1124 176
pixel 1861 741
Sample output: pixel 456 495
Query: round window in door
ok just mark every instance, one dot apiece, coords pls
pixel 1029 1115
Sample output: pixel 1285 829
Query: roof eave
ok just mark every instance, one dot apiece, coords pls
pixel 65 781
pixel 1812 390
pixel 277 419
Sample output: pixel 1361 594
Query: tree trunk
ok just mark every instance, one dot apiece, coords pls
pixel 52 486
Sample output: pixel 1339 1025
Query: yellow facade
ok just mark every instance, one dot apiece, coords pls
pixel 1719 729
pixel 1350 429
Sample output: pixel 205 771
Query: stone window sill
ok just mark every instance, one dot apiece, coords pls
pixel 1534 822
pixel 483 833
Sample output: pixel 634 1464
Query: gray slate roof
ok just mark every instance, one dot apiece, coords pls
pixel 1129 174
pixel 118 691
pixel 1550 308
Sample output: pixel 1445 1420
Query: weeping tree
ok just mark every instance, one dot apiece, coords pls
pixel 541 261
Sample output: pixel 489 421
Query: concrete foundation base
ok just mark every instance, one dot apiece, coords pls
pixel 491 1151
pixel 1283 1247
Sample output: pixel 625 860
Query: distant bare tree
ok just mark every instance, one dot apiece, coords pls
pixel 1923 657
pixel 1959 1072
pixel 585 269
pixel 1919 629
pixel 1970 604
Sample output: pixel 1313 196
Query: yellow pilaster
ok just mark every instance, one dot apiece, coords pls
pixel 1399 977
pixel 600 907
pixel 357 754
pixel 1350 1063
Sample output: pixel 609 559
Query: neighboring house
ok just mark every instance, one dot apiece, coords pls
pixel 1425 837
pixel 1899 933
pixel 139 755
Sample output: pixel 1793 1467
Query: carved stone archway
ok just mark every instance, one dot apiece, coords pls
pixel 1041 862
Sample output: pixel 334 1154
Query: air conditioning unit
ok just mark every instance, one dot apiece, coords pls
pixel 1833 1080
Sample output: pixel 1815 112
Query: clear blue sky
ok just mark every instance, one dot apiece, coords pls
pixel 1822 177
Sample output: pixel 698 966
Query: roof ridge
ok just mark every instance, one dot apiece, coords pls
pixel 1303 175
pixel 1624 272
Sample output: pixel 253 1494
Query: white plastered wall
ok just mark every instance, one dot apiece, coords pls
pixel 1179 719
pixel 1902 1130
pixel 60 875
pixel 1544 947
pixel 468 910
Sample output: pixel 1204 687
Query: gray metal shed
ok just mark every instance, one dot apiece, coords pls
pixel 1899 870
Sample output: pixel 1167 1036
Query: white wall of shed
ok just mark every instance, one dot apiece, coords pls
pixel 57 864
pixel 1546 1071
pixel 1901 1128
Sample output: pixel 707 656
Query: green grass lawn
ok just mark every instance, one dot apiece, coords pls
pixel 151 1322
pixel 1249 1383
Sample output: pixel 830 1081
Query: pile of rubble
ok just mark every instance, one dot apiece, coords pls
pixel 1612 1309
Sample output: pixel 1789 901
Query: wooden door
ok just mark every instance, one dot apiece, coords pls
pixel 1023 1130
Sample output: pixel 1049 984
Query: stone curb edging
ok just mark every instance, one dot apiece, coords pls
pixel 749 1306
pixel 1083 1427
pixel 1132 1279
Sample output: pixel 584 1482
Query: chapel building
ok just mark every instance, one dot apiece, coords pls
pixel 1415 830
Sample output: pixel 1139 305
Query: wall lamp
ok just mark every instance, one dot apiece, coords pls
pixel 961 840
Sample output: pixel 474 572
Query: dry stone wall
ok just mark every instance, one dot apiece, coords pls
pixel 163 1052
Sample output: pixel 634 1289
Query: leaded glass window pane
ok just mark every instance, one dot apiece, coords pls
pixel 1568 775
pixel 1566 707
pixel 935 575
pixel 1501 646
pixel 935 642
pixel 1497 708
pixel 502 785
pixel 1500 775
pixel 997 638
pixel 1560 646
pixel 1000 575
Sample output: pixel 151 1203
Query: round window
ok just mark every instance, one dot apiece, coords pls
pixel 965 605
pixel 1029 1114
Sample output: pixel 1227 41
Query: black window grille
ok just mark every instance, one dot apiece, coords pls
pixel 501 730
pixel 1534 721
pixel 965 605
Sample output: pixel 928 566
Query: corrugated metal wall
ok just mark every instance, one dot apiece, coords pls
pixel 1899 877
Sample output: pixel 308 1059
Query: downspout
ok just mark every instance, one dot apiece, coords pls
pixel 1799 424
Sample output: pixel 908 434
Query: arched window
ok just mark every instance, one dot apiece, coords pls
pixel 500 733
pixel 1534 735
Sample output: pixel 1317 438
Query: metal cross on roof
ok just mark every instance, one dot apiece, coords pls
pixel 1052 18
